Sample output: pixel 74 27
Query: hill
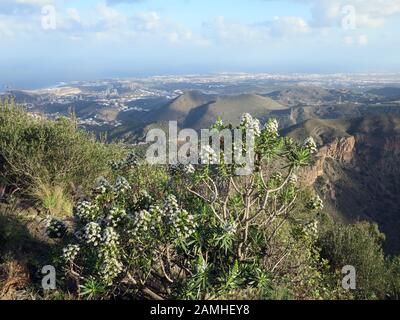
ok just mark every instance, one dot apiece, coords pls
pixel 307 95
pixel 230 109
pixel 197 110
pixel 387 92
pixel 179 108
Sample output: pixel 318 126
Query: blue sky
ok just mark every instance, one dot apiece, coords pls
pixel 47 41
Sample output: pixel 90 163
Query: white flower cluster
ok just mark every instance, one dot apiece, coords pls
pixel 107 244
pixel 70 252
pixel 109 253
pixel 115 216
pixel 92 233
pixel 249 122
pixel 182 222
pixel 156 214
pixel 310 144
pixel 110 269
pixel 316 204
pixel 311 229
pixel 272 127
pixel 110 237
pixel 122 185
pixel 188 169
pixel 87 211
pixel 55 228
pixel 103 186
pixel 208 155
pixel 140 222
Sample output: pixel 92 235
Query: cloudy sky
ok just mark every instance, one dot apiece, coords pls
pixel 46 41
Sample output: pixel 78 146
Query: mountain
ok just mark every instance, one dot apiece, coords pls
pixel 197 110
pixel 309 95
pixel 21 96
pixel 179 108
pixel 299 114
pixel 387 92
pixel 230 109
pixel 356 170
pixel 291 106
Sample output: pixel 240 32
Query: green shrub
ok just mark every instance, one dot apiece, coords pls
pixel 393 278
pixel 358 245
pixel 36 152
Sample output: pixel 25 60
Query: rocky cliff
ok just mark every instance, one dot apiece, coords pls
pixel 357 170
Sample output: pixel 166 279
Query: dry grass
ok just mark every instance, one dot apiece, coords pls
pixel 14 278
pixel 54 199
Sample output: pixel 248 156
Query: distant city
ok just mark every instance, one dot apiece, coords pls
pixel 141 95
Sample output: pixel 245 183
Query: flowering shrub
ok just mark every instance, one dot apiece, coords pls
pixel 70 252
pixel 55 228
pixel 205 233
pixel 118 234
pixel 248 216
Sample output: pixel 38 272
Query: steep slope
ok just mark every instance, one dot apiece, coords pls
pixel 299 114
pixel 357 171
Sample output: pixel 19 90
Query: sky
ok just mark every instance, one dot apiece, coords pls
pixel 43 42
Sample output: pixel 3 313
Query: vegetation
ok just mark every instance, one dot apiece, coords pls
pixel 172 232
pixel 357 245
pixel 48 159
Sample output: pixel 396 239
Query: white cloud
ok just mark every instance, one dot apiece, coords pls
pixel 287 26
pixel 147 21
pixel 11 26
pixel 34 2
pixel 234 32
pixel 111 18
pixel 222 30
pixel 368 13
